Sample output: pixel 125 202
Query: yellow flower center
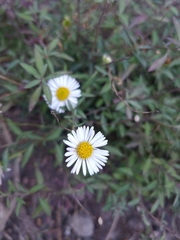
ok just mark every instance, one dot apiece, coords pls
pixel 84 150
pixel 62 93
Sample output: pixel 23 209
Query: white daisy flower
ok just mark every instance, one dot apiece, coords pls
pixel 65 92
pixel 2 174
pixel 83 149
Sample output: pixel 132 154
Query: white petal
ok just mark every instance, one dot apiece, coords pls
pixel 80 133
pixel 70 158
pixel 79 162
pixel 67 154
pixel 73 160
pixel 84 167
pixel 77 166
pixel 96 162
pixel 100 143
pixel 91 134
pixel 72 139
pixel 68 143
pixel 91 172
pixel 93 166
pixel 101 152
pixel 97 137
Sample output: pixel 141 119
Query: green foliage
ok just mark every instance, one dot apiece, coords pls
pixel 134 100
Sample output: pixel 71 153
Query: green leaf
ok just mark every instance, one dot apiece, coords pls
pixel 39 62
pixel 151 186
pixel 101 70
pixel 125 170
pixel 158 63
pixel 45 206
pixel 36 188
pixel 34 98
pixel 177 27
pixel 30 70
pixel 88 95
pixel 5 158
pixel 155 206
pixel 11 187
pixel 14 128
pixel 62 55
pixel 50 65
pixel 123 189
pixel 54 135
pixel 47 92
pixel 134 104
pixel 137 91
pixel 25 16
pixel 59 152
pixel 32 136
pixel 114 150
pixel 44 69
pixel 120 105
pixel 157 161
pixel 81 114
pixel 19 204
pixel 147 166
pixel 27 155
pixel 133 202
pixel 32 84
pixel 104 124
pixel 39 177
pixel 52 45
pixel 106 88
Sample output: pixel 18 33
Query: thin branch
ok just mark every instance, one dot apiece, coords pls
pixel 78 202
pixel 10 80
pixel 8 94
pixel 113 226
pixel 57 119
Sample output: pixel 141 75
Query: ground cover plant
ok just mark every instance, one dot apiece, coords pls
pixel 98 80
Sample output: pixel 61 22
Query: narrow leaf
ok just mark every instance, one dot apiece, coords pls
pixel 19 204
pixel 52 45
pixel 158 63
pixel 47 92
pixel 138 20
pixel 45 206
pixel 39 176
pixel 133 202
pixel 32 84
pixel 155 206
pixel 30 70
pixel 44 69
pixel 34 98
pixel 36 188
pixel 55 135
pixel 62 55
pixel 59 154
pixel 27 155
pixel 174 41
pixel 177 26
pixel 39 62
pixel 5 158
pixel 114 150
pixel 25 16
pixel 50 65
pixel 14 128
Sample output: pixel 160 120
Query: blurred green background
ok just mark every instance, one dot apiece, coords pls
pixel 125 55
